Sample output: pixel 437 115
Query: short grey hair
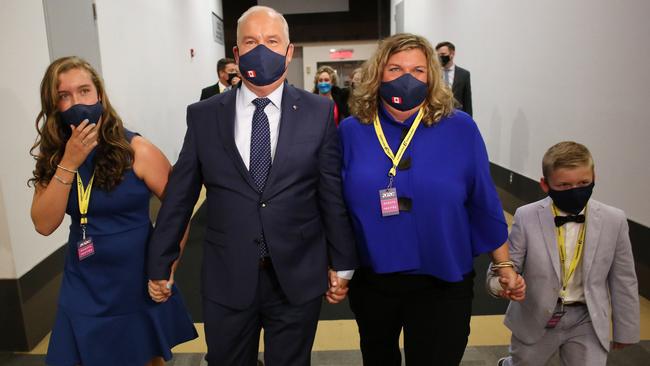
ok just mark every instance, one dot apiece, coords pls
pixel 272 12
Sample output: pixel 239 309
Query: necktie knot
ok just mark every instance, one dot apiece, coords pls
pixel 261 103
pixel 561 220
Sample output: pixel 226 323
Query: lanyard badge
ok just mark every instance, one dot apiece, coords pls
pixel 85 246
pixel 388 200
pixel 577 254
pixel 566 274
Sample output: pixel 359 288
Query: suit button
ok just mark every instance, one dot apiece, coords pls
pixel 263 204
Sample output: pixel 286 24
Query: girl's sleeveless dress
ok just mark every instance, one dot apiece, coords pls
pixel 105 315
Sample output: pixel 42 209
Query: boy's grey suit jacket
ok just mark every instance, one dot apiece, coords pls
pixel 607 269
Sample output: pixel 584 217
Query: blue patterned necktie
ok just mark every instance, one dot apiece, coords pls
pixel 260 163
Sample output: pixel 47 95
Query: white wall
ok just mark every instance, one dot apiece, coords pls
pixel 313 53
pixel 547 71
pixel 150 77
pixel 24 60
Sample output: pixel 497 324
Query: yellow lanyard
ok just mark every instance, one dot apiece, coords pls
pixel 577 255
pixel 395 158
pixel 83 196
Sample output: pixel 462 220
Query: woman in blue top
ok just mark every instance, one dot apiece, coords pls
pixel 417 184
pixel 102 175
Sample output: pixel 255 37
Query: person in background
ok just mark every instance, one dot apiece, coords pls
pixel 277 227
pixel 325 84
pixel 355 78
pixel 102 175
pixel 228 77
pixel 417 184
pixel 576 256
pixel 456 78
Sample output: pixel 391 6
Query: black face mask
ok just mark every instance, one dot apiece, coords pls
pixel 230 77
pixel 572 200
pixel 444 60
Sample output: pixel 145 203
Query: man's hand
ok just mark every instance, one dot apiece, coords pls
pixel 338 288
pixel 160 290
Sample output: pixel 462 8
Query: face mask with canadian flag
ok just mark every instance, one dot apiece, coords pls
pixel 404 93
pixel 261 66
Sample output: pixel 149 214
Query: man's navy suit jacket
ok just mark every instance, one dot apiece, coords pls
pixel 301 211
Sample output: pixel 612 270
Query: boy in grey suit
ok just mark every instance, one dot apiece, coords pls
pixel 575 255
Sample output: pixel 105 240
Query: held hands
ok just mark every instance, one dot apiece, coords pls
pixel 84 138
pixel 338 288
pixel 514 286
pixel 161 290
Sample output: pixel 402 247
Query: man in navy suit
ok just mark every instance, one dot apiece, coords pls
pixel 278 231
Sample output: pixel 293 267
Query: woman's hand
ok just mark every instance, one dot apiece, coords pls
pixel 83 140
pixel 514 285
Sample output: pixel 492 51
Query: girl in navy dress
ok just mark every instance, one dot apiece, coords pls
pixel 417 183
pixel 102 175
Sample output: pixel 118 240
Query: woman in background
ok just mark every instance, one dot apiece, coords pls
pixel 102 175
pixel 325 85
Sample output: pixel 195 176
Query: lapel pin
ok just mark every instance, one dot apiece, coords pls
pixel 295 107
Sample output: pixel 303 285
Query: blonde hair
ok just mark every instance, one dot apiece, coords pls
pixel 114 153
pixel 439 101
pixel 566 154
pixel 330 71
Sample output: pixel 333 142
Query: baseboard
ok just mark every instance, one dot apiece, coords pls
pixel 516 190
pixel 29 304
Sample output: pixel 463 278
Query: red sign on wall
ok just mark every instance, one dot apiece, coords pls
pixel 341 54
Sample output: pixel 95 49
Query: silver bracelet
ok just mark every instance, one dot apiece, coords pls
pixel 66 169
pixel 62 181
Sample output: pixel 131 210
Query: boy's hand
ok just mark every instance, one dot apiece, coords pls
pixel 514 285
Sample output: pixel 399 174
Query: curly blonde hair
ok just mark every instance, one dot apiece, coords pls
pixel 439 101
pixel 114 153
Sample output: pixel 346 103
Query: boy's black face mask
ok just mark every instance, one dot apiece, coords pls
pixel 572 200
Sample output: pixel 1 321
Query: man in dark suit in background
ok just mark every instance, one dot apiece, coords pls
pixel 277 228
pixel 455 76
pixel 227 72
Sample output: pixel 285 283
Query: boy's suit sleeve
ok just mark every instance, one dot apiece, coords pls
pixel 623 289
pixel 517 251
pixel 517 242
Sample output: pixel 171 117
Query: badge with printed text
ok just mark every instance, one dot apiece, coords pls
pixel 555 319
pixel 388 202
pixel 85 248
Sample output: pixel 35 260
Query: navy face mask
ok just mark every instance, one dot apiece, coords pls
pixel 79 112
pixel 261 66
pixel 404 93
pixel 572 200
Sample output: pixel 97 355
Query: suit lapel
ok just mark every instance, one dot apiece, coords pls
pixel 592 237
pixel 550 235
pixel 288 120
pixel 226 126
